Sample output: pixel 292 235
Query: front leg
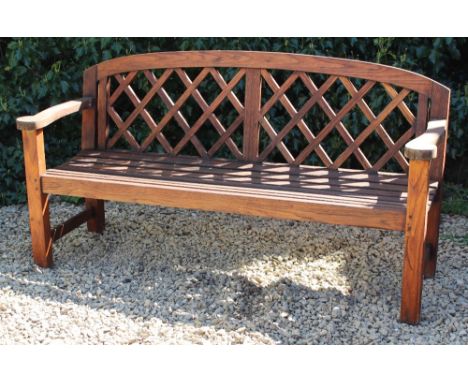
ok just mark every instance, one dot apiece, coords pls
pixel 415 235
pixel 38 202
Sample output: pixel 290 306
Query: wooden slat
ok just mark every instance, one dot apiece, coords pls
pixel 212 107
pixel 179 118
pixel 405 138
pixel 421 118
pixel 276 172
pixel 213 118
pixel 292 111
pixel 88 130
pixel 369 114
pixel 371 127
pixel 231 95
pixel 102 121
pixel 336 121
pixel 265 123
pixel 409 116
pixel 278 91
pixel 121 127
pixel 268 60
pixel 334 187
pixel 145 114
pixel 440 109
pixel 268 167
pixel 134 114
pixel 72 223
pixel 341 128
pixel 253 97
pixel 297 117
pixel 175 109
pixel 222 198
pixel 124 83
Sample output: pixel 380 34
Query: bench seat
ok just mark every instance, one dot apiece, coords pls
pixel 267 189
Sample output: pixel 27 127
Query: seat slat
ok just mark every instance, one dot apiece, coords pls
pixel 267 167
pixel 222 198
pixel 236 177
pixel 266 189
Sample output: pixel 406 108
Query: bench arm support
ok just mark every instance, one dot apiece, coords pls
pixel 424 147
pixel 52 114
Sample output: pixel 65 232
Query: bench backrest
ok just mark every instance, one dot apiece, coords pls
pixel 261 106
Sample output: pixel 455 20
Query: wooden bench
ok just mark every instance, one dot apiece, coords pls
pixel 219 131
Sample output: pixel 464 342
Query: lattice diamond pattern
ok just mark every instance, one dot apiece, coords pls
pixel 175 107
pixel 323 143
pixel 299 97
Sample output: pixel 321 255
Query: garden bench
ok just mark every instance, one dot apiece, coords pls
pixel 266 134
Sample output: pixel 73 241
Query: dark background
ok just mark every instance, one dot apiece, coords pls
pixel 38 72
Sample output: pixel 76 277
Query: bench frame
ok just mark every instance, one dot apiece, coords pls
pixel 426 153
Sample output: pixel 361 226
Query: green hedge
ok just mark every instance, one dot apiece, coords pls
pixel 38 72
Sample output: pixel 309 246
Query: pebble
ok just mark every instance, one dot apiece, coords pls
pixel 172 276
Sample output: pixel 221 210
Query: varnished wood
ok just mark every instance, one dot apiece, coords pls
pixel 336 121
pixel 424 147
pixel 38 201
pixel 379 129
pixel 440 110
pixel 209 111
pixel 224 135
pixel 268 60
pixel 88 129
pixel 252 114
pixel 52 114
pixel 415 235
pixel 96 222
pixel 124 125
pixel 331 184
pixel 432 235
pixel 250 184
pixel 179 118
pixel 72 223
pixel 175 109
pixel 279 95
pixel 222 198
pixel 102 116
pixel 370 128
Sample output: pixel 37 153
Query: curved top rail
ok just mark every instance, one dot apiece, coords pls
pixel 270 60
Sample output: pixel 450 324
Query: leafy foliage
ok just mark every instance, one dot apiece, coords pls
pixel 38 72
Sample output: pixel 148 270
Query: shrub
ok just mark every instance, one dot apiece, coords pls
pixel 38 72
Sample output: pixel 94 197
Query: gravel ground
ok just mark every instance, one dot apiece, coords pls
pixel 162 275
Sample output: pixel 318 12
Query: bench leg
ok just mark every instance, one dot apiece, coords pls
pixel 38 202
pixel 415 234
pixel 432 237
pixel 97 222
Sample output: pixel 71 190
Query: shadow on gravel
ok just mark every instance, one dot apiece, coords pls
pixel 167 278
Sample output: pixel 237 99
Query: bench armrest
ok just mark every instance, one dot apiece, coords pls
pixel 52 114
pixel 424 147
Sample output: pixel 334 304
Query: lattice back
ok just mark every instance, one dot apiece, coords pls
pixel 302 118
pixel 175 111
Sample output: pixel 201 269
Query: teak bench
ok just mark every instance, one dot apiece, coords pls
pixel 250 167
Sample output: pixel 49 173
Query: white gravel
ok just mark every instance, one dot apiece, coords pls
pixel 162 275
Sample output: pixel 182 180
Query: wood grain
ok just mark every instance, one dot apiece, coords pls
pixel 415 233
pixel 96 221
pixel 253 84
pixel 38 201
pixel 269 60
pixel 52 114
pixel 221 198
pixel 424 147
